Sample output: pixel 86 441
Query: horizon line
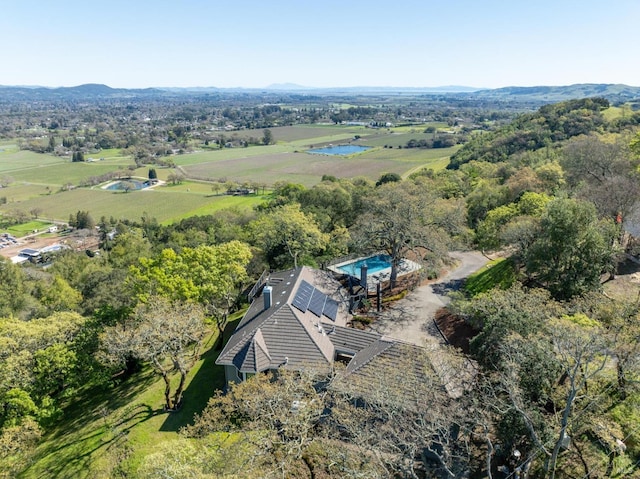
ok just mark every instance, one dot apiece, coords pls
pixel 293 86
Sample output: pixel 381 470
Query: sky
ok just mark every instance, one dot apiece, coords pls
pixel 328 43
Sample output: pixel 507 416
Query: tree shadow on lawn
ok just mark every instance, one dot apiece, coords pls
pixel 97 402
pixel 73 456
pixel 208 379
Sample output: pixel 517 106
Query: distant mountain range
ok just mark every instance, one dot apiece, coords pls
pixel 616 92
pixel 86 91
pixel 373 89
pixel 540 94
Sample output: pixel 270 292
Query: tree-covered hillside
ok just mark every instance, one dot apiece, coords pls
pixel 548 127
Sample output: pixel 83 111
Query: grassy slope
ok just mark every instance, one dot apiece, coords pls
pixel 614 112
pixel 109 432
pixel 20 192
pixel 497 273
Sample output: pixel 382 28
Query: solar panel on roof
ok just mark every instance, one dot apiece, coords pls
pixel 303 296
pixel 316 305
pixel 331 309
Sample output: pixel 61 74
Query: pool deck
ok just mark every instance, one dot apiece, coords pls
pixel 404 267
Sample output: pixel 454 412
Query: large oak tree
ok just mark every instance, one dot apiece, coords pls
pixel 405 217
pixel 164 335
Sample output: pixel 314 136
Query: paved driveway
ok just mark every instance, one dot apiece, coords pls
pixel 411 318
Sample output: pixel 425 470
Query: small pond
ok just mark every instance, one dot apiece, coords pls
pixel 132 184
pixel 341 150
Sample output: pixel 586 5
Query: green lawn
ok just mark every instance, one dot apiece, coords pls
pixel 7 147
pixel 109 432
pixel 107 153
pixel 497 273
pixel 436 164
pixel 27 228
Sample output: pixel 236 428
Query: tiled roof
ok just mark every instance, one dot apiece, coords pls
pixel 350 341
pixel 384 362
pixel 366 355
pixel 254 356
pixel 283 335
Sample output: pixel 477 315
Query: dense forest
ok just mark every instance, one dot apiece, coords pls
pixel 556 356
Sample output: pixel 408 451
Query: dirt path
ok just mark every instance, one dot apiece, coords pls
pixel 39 241
pixel 411 319
pixel 32 241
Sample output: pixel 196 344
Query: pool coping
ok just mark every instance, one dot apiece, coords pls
pixel 405 267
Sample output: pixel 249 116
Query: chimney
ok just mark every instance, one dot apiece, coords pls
pixel 363 275
pixel 266 294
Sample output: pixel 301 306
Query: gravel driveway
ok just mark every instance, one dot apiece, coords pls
pixel 411 318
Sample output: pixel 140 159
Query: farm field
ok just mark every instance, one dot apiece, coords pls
pixel 291 134
pixel 37 179
pixel 396 139
pixel 28 167
pixel 61 174
pixel 12 160
pixel 23 191
pixel 164 204
pixel 307 169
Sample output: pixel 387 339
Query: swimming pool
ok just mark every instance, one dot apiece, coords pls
pixel 374 264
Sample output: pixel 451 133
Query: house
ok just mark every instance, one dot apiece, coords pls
pixel 240 191
pixel 390 361
pixel 32 255
pixel 298 320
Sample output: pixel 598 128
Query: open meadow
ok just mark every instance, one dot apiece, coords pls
pixel 164 204
pixel 49 184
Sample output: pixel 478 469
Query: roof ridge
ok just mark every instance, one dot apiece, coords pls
pixel 248 329
pixel 389 343
pixel 258 339
pixel 305 327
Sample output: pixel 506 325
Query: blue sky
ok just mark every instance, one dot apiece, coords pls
pixel 248 43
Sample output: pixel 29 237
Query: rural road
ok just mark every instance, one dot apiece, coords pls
pixel 411 318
